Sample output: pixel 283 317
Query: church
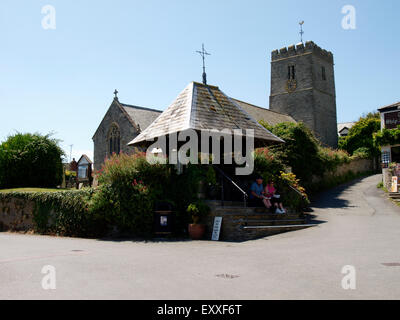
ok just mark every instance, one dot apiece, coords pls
pixel 302 89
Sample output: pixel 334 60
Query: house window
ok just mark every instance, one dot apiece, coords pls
pixel 291 73
pixel 114 138
pixel 395 154
pixel 323 73
pixel 386 157
pixel 82 172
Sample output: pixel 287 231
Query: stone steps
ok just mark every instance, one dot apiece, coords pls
pixel 266 222
pixel 245 223
pixel 244 210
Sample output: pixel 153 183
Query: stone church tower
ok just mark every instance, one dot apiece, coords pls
pixel 303 86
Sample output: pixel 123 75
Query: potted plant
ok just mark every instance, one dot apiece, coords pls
pixel 198 211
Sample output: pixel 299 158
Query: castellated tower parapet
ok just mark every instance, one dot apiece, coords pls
pixel 300 48
pixel 303 86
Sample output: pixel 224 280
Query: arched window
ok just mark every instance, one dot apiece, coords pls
pixel 114 138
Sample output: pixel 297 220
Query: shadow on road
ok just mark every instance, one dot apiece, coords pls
pixel 311 219
pixel 331 198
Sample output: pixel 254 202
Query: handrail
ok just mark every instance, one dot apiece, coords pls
pixel 245 195
pixel 296 190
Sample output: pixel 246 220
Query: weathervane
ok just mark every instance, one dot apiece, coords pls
pixel 203 53
pixel 301 31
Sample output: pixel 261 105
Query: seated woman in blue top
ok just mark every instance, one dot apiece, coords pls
pixel 257 198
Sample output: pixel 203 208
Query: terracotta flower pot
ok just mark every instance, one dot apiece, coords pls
pixel 196 231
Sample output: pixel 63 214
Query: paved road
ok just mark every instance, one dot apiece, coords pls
pixel 359 227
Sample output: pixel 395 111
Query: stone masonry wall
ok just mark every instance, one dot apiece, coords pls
pixel 16 214
pixel 100 139
pixel 355 166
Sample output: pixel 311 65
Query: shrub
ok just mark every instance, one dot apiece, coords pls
pixel 266 164
pixel 62 212
pixel 129 187
pixel 270 168
pixel 295 195
pixel 361 135
pixel 361 153
pixel 303 152
pixel 387 137
pixel 30 160
pixel 331 159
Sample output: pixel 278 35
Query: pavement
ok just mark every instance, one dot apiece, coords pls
pixel 357 227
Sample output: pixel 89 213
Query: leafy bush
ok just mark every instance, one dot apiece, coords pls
pixel 270 168
pixel 129 187
pixel 387 137
pixel 30 160
pixel 361 135
pixel 303 152
pixel 266 164
pixel 361 153
pixel 296 197
pixel 62 212
pixel 331 159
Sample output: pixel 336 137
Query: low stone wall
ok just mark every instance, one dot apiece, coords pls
pixel 16 214
pixel 387 178
pixel 356 166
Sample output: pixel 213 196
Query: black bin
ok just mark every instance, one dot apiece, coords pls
pixel 164 217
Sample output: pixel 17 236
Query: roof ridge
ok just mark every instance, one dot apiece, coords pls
pixel 390 105
pixel 204 85
pixel 267 109
pixel 138 107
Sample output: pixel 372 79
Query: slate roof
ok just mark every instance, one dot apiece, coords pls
pixel 141 116
pixel 391 107
pixel 341 126
pixel 269 116
pixel 201 107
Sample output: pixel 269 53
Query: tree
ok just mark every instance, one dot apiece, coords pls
pixel 301 150
pixel 361 135
pixel 30 160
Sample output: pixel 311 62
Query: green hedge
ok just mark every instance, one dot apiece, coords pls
pixel 62 212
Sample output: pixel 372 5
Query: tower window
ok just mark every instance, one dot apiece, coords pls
pixel 291 73
pixel 323 73
pixel 114 138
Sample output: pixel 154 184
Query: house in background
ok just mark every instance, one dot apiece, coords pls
pixel 344 128
pixel 390 119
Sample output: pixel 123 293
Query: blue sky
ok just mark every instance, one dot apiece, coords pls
pixel 62 80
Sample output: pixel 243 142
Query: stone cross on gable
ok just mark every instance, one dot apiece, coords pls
pixel 115 93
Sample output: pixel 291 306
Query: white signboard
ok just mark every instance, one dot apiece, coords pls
pixel 394 184
pixel 216 228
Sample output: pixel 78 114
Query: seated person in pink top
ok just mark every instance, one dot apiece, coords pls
pixel 276 200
